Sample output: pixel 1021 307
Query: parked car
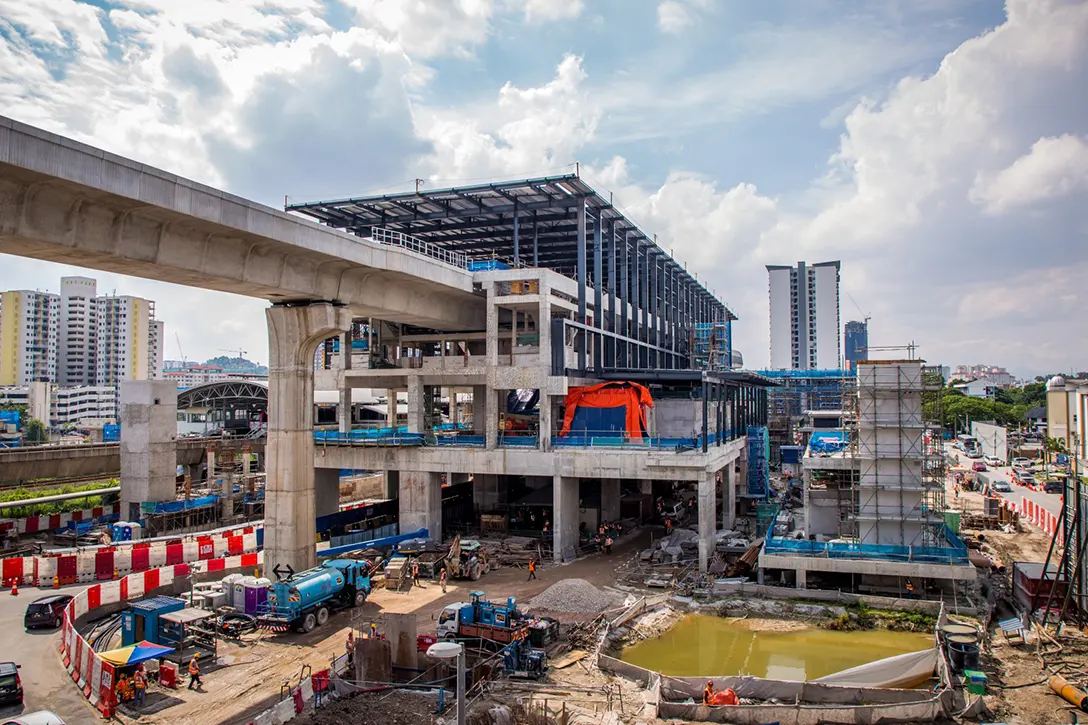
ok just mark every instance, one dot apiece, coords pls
pixel 992 461
pixel 974 453
pixel 46 611
pixel 1054 487
pixel 1020 462
pixel 1025 479
pixel 11 687
pixel 41 717
pixel 978 466
pixel 1002 487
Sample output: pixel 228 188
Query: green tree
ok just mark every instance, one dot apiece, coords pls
pixel 35 431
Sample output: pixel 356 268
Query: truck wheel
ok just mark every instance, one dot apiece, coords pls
pixel 474 575
pixel 309 622
pixel 451 637
pixel 360 598
pixel 322 616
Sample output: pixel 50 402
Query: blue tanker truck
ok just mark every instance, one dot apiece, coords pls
pixel 303 601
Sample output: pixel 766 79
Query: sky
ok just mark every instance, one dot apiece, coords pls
pixel 938 148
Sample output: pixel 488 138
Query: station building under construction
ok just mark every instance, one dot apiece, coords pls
pixel 601 374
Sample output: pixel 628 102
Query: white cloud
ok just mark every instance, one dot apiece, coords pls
pixel 1054 167
pixel 427 28
pixel 542 11
pixel 675 16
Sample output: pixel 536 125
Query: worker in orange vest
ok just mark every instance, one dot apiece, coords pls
pixel 139 681
pixel 442 579
pixel 708 692
pixel 532 569
pixel 349 646
pixel 194 672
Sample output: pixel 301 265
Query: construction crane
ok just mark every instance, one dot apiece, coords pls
pixel 240 351
pixel 863 314
pixel 181 352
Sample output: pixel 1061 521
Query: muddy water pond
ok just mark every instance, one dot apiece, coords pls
pixel 708 645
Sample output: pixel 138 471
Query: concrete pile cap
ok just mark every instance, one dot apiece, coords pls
pixel 575 596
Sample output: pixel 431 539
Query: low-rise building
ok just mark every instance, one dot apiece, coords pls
pixel 978 388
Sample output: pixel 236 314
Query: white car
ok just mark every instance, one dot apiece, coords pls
pixel 1020 462
pixel 41 717
pixel 992 461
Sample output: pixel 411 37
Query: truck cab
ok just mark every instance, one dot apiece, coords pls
pixel 481 619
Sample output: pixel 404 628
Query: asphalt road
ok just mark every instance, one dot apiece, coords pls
pixel 1051 502
pixel 46 684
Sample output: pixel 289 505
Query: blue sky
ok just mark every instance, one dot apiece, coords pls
pixel 937 148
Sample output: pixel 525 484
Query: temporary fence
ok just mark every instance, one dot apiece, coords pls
pixel 105 563
pixel 95 676
pixel 1040 517
pixel 850 550
pixel 50 522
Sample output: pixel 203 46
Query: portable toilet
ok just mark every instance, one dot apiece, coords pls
pixel 249 583
pixel 141 620
pixel 263 585
pixel 136 532
pixel 238 594
pixel 227 583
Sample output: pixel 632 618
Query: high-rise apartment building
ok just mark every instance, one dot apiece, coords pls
pixel 28 337
pixel 128 340
pixel 78 330
pixel 856 337
pixel 804 307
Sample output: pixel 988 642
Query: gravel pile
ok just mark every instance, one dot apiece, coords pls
pixel 575 596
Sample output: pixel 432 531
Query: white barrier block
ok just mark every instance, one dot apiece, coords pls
pixel 111 592
pixel 156 557
pixel 81 604
pixel 192 551
pixel 136 585
pixel 122 561
pixel 96 679
pixel 221 546
pixel 249 543
pixel 47 569
pixel 307 686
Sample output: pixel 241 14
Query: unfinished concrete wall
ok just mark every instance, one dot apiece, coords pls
pixel 681 418
pixel 610 499
pixel 148 444
pixel 326 491
pixel 421 502
pixel 565 508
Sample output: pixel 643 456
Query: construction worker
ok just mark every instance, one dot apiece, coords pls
pixel 668 526
pixel 708 692
pixel 139 681
pixel 373 631
pixel 415 573
pixel 194 672
pixel 910 589
pixel 532 569
pixel 349 647
pixel 442 578
pixel 122 688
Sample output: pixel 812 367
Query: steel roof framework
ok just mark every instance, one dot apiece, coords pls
pixel 533 222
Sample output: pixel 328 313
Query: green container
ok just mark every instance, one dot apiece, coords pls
pixel 952 518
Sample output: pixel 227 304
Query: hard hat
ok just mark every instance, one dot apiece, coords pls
pixel 710 682
pixel 196 656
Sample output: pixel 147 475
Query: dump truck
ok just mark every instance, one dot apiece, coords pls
pixel 481 619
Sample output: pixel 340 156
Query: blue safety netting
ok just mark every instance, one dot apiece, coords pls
pixel 953 552
pixel 759 485
pixel 172 507
pixel 485 265
pixel 828 441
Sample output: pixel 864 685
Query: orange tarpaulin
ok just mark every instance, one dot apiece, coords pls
pixel 633 397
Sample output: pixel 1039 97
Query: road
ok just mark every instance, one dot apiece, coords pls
pixel 46 684
pixel 1051 502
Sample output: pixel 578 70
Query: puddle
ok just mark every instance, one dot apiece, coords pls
pixel 715 646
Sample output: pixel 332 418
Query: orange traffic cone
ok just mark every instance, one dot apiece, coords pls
pixel 15 587
pixel 56 582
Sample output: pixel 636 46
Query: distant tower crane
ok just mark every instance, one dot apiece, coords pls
pixel 240 351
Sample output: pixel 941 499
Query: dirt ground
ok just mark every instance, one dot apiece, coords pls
pixel 250 678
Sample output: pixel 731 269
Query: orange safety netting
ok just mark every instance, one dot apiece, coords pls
pixel 633 397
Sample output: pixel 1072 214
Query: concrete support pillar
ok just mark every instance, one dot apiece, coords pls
pixel 344 411
pixel 545 407
pixel 492 318
pixel 801 578
pixel 610 499
pixel 293 336
pixel 149 429
pixel 544 326
pixel 479 409
pixel 729 497
pixel 416 405
pixel 195 471
pixel 391 408
pixel 210 454
pixel 326 491
pixel 491 417
pixel 646 487
pixel 421 503
pixel 707 509
pixel 565 508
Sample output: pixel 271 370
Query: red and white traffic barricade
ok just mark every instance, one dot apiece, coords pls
pixel 50 522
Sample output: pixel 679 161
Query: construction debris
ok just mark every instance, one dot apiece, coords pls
pixel 574 596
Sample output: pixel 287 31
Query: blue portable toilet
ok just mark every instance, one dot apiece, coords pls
pixel 141 620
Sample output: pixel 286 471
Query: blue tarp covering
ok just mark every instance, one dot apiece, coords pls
pixel 171 507
pixel 485 265
pixel 792 454
pixel 111 433
pixel 828 441
pixel 758 473
pixel 9 417
pixel 599 421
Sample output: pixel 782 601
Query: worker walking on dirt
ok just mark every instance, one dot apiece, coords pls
pixel 139 681
pixel 415 573
pixel 194 672
pixel 349 647
pixel 532 569
pixel 708 692
pixel 668 526
pixel 442 580
pixel 608 545
pixel 910 589
pixel 373 631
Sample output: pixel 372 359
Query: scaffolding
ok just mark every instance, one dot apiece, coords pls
pixel 711 346
pixel 900 489
pixel 797 393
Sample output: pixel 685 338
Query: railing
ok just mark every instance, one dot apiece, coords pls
pixel 621 439
pixel 417 245
pixel 388 436
pixel 846 550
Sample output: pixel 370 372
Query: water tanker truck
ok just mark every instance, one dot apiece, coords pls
pixel 304 600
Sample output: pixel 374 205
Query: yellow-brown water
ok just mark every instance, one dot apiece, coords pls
pixel 708 645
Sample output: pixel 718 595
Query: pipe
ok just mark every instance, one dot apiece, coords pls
pixel 60 497
pixel 1069 693
pixel 372 544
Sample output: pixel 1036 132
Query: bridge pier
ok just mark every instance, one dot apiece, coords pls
pixel 148 443
pixel 294 333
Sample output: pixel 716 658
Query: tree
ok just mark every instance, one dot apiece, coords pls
pixel 35 431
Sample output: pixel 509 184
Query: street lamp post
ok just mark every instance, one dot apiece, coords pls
pixel 449 651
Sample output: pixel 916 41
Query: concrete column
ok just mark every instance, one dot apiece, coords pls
pixel 729 497
pixel 344 412
pixel 326 491
pixel 149 429
pixel 707 504
pixel 610 499
pixel 293 336
pixel 742 469
pixel 391 408
pixel 492 317
pixel 544 325
pixel 416 407
pixel 491 417
pixel 479 409
pixel 801 578
pixel 565 521
pixel 646 487
pixel 545 407
pixel 194 471
pixel 421 503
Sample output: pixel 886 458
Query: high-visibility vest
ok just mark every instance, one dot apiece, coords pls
pixel 140 681
pixel 194 668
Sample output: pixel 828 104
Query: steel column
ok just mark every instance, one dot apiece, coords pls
pixel 517 254
pixel 536 240
pixel 625 294
pixel 598 292
pixel 580 211
pixel 611 349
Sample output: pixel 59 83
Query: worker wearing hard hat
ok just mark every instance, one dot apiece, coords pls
pixel 194 672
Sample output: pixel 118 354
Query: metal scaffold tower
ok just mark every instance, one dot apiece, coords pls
pixel 710 346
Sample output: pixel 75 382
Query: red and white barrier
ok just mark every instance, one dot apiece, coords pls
pixel 48 522
pixel 93 675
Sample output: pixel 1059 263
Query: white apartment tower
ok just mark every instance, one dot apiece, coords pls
pixel 804 312
pixel 78 331
pixel 28 337
pixel 128 340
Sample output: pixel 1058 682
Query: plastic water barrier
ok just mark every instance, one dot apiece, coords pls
pixel 93 675
pixel 50 522
pixel 107 563
pixel 1040 517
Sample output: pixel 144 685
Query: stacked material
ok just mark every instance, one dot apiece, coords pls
pixel 512 550
pixel 574 596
